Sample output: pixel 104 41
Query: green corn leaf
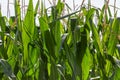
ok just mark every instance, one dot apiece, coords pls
pixel 64 36
pixel 10 49
pixel 3 24
pixel 59 7
pixel 43 24
pixel 98 45
pixel 43 72
pixel 56 35
pixel 54 72
pixel 50 44
pixel 28 29
pixel 94 30
pixel 7 69
pixel 29 19
pixel 81 47
pixel 2 35
pixel 106 34
pixel 90 14
pixel 42 7
pixel 12 23
pixel 115 74
pixel 73 23
pixel 109 11
pixel 36 8
pixel 86 64
pixel 19 75
pixel 113 39
pixel 18 14
pixel 97 39
pixel 17 8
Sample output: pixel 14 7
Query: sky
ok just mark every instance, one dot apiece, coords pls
pixel 97 3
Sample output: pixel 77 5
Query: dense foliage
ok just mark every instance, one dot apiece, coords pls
pixel 71 47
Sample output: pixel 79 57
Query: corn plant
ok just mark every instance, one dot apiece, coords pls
pixel 80 49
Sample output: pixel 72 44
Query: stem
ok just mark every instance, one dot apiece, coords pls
pixel 89 4
pixel 73 5
pixel 105 15
pixel 114 8
pixel 22 9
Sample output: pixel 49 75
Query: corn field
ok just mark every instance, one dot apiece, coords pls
pixel 83 45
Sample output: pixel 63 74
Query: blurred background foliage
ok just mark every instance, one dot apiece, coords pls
pixel 83 45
